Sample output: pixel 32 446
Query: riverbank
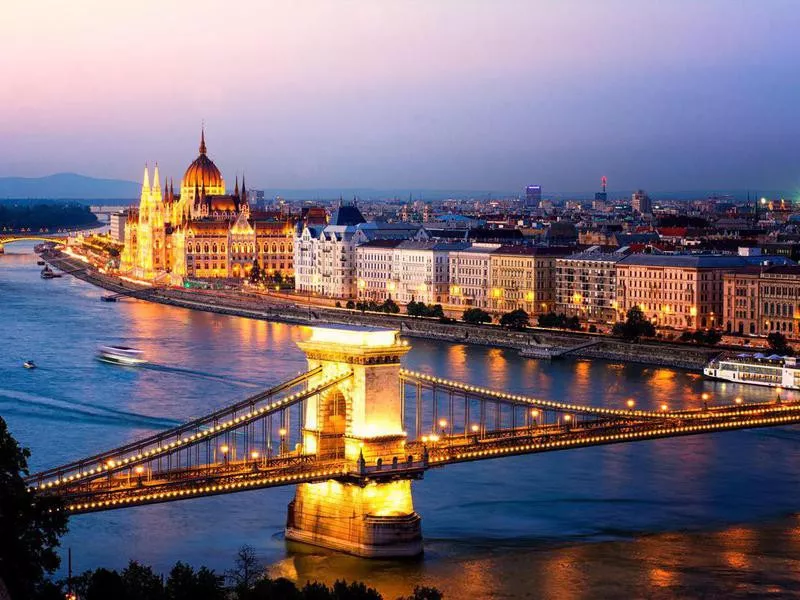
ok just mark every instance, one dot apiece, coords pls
pixel 540 343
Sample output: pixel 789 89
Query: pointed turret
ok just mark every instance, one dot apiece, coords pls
pixel 244 191
pixel 167 196
pixel 156 182
pixel 146 182
pixel 203 139
pixel 236 188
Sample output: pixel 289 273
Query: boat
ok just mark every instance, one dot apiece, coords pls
pixel 108 298
pixel 48 273
pixel 774 371
pixel 121 355
pixel 41 263
pixel 29 364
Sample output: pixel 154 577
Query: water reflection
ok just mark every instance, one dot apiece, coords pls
pixel 577 524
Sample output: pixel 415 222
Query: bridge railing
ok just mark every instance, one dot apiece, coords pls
pixel 162 444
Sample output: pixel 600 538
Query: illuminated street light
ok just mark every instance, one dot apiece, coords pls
pixel 474 428
pixel 631 403
pixel 254 455
pixel 738 400
pixel 139 470
pixel 664 407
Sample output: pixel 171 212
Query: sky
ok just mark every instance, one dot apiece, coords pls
pixel 437 94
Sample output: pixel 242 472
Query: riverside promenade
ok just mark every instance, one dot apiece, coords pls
pixel 534 342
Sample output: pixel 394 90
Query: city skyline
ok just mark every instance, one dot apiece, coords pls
pixel 409 95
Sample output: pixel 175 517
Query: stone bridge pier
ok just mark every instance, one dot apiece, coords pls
pixel 360 420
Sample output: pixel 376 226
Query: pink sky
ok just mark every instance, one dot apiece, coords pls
pixel 429 93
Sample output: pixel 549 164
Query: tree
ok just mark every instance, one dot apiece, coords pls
pixel 208 585
pixel 425 593
pixel 101 584
pixel 635 326
pixel 516 319
pixel 713 337
pixel 141 583
pixel 255 273
pixel 777 342
pixel 246 570
pixel 436 310
pixel 30 524
pixel 390 306
pixel 181 582
pixel 350 305
pixel 476 316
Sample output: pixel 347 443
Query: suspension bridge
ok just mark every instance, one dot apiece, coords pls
pixel 352 433
pixel 11 238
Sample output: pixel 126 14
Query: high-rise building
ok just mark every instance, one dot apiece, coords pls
pixel 533 195
pixel 640 202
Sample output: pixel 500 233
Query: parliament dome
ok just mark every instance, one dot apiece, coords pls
pixel 203 173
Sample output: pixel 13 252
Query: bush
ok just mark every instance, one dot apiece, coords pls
pixel 516 319
pixel 476 316
pixel 420 309
pixel 777 342
pixel 635 326
pixel 592 328
pixel 350 304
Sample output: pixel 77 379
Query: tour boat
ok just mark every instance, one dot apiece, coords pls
pixel 29 364
pixel 47 273
pixel 756 369
pixel 121 355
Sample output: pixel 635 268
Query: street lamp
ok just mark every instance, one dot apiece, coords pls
pixel 704 397
pixel 534 416
pixel 443 426
pixel 567 420
pixel 224 449
pixel 738 400
pixel 282 433
pixel 664 407
pixel 631 403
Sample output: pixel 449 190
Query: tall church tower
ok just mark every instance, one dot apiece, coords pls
pixel 151 235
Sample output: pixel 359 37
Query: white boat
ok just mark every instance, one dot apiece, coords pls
pixel 29 364
pixel 756 369
pixel 121 355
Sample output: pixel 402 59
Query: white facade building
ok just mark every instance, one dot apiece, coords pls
pixel 470 275
pixel 325 255
pixel 117 225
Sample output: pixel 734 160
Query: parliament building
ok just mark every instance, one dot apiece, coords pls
pixel 203 232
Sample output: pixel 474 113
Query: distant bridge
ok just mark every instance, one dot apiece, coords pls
pixel 352 432
pixel 11 238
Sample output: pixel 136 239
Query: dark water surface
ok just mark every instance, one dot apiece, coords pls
pixel 712 515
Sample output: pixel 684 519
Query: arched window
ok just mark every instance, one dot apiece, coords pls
pixel 222 248
pixel 205 248
pixel 274 248
pixel 283 248
pixel 215 248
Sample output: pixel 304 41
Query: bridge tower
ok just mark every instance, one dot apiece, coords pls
pixel 360 420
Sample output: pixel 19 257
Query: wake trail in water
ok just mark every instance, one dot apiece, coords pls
pixel 87 409
pixel 201 375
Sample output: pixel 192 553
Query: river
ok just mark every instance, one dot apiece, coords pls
pixel 713 515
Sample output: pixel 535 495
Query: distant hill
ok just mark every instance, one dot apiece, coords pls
pixel 68 186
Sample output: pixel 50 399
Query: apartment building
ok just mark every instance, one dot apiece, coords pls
pixel 469 276
pixel 586 284
pixel 679 291
pixel 523 277
pixel 761 300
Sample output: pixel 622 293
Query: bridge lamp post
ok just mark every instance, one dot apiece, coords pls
pixel 534 416
pixel 778 390
pixel 567 421
pixel 282 433
pixel 738 400
pixel 224 450
pixel 704 397
pixel 255 455
pixel 475 429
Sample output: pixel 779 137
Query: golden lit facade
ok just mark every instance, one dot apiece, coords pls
pixel 522 277
pixel 203 232
pixel 760 301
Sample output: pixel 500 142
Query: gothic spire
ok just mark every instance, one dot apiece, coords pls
pixel 236 189
pixel 203 139
pixel 146 182
pixel 156 182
